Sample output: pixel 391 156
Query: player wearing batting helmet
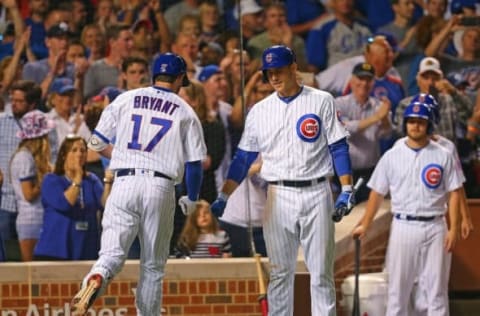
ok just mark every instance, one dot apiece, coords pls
pixel 158 139
pixel 420 241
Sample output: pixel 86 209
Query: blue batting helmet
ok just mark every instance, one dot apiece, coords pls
pixel 172 65
pixel 418 110
pixel 276 57
pixel 431 102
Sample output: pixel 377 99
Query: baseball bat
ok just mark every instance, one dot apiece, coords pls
pixel 356 294
pixel 262 297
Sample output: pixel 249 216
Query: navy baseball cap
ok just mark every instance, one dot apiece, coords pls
pixel 58 30
pixel 62 86
pixel 363 70
pixel 208 71
pixel 172 65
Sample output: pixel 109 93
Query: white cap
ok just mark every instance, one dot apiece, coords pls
pixel 430 64
pixel 247 7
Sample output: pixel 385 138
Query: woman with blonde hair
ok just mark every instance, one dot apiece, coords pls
pixel 28 167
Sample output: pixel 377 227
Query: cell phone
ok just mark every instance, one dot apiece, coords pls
pixel 433 91
pixel 470 20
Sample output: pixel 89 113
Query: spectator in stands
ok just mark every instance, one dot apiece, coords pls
pixel 25 97
pixel 367 119
pixel 466 65
pixel 215 85
pixel 213 133
pixel 72 199
pixel 336 37
pixel 277 32
pixel 455 108
pixel 143 39
pixel 79 17
pixel 201 236
pixel 403 31
pixel 190 24
pixel 187 46
pixel 105 16
pixel 64 112
pixel 232 70
pixel 436 8
pixel 75 51
pixel 210 24
pixel 252 18
pixel 134 73
pixel 174 13
pixel 106 71
pixel 44 71
pixel 92 38
pixel 38 12
pixel 29 164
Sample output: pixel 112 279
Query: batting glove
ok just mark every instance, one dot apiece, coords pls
pixel 344 205
pixel 218 206
pixel 187 205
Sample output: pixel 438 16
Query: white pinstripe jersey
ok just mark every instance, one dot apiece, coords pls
pixel 448 145
pixel 293 137
pixel 418 181
pixel 155 129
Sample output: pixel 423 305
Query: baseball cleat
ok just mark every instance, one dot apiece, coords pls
pixel 86 296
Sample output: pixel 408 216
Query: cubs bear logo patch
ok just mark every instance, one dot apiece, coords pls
pixel 309 127
pixel 432 176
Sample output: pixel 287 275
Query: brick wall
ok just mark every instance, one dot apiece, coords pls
pixel 191 287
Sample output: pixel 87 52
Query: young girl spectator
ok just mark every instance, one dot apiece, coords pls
pixel 28 167
pixel 72 199
pixel 201 236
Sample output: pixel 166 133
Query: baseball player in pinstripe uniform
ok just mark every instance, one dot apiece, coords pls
pixel 301 141
pixel 422 178
pixel 158 136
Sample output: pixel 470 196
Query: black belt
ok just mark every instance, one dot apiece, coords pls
pixel 132 172
pixel 415 218
pixel 298 184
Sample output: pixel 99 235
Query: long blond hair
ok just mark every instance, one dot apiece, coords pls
pixel 191 232
pixel 40 149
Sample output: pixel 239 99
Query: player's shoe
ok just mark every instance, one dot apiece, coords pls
pixel 86 296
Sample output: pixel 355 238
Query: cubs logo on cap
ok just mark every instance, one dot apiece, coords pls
pixel 432 176
pixel 309 127
pixel 416 108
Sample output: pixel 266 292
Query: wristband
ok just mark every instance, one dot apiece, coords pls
pixel 223 196
pixel 347 188
pixel 106 180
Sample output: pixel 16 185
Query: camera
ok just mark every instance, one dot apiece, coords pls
pixel 470 20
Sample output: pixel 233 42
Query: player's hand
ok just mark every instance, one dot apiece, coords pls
pixel 187 205
pixel 344 204
pixel 359 232
pixel 466 228
pixel 218 206
pixel 450 240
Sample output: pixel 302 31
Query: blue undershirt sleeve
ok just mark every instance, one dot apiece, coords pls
pixel 193 179
pixel 240 164
pixel 341 158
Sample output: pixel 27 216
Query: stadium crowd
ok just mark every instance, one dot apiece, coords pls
pixel 62 62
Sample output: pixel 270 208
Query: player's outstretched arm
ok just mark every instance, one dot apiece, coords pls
pixel 193 181
pixel 236 173
pixel 373 204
